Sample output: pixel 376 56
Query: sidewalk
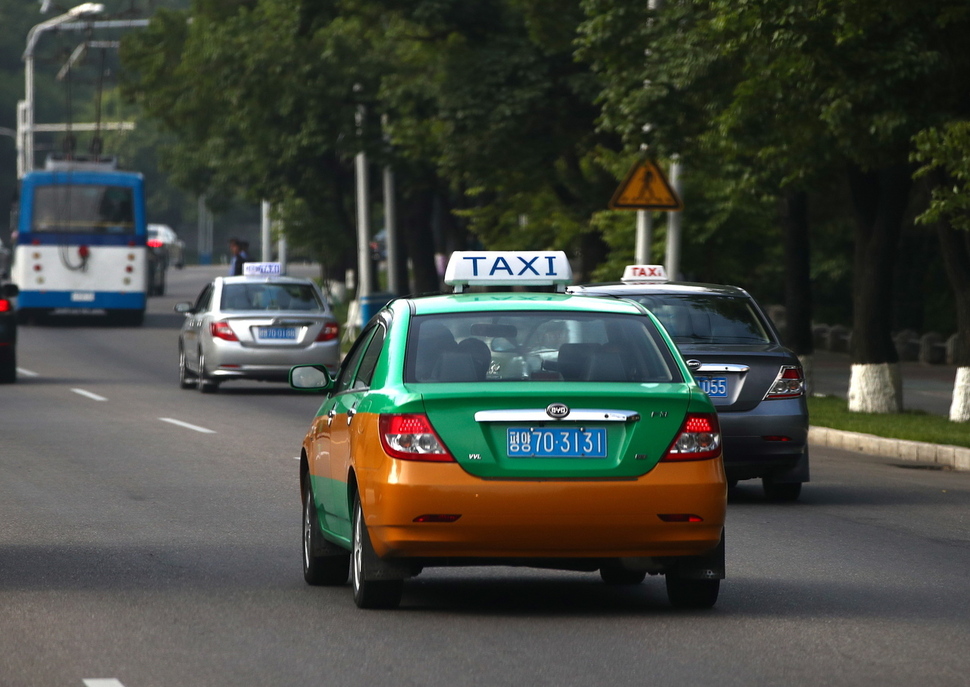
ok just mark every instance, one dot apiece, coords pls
pixel 925 387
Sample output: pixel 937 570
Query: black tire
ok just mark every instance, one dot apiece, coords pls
pixel 206 384
pixel 8 370
pixel 687 593
pixel 369 593
pixel 186 380
pixel 616 574
pixel 781 492
pixel 324 563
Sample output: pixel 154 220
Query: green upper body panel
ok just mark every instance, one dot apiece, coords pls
pixel 487 368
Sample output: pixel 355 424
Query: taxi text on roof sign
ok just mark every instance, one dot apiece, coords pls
pixel 644 273
pixel 508 268
pixel 262 269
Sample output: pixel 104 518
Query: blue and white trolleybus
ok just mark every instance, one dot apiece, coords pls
pixel 81 241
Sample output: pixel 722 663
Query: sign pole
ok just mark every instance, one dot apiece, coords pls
pixel 673 225
pixel 644 236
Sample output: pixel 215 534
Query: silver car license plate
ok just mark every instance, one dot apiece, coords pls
pixel 276 333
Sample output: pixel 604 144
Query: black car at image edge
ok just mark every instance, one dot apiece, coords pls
pixel 736 355
pixel 8 334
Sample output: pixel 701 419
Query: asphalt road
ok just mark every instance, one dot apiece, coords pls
pixel 152 553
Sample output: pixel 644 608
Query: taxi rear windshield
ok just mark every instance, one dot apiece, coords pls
pixel 537 346
pixel 707 318
pixel 293 297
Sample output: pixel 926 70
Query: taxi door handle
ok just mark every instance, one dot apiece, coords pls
pixel 350 414
pixel 330 416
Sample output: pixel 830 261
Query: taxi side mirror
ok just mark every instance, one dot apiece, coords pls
pixel 183 307
pixel 310 378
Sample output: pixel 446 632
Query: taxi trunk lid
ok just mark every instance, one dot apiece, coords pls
pixel 611 432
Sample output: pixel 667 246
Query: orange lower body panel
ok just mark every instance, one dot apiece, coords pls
pixel 536 518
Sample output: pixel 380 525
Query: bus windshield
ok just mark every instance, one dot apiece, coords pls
pixel 84 209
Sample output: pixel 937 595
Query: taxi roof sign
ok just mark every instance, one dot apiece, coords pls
pixel 644 273
pixel 508 268
pixel 262 269
pixel 646 188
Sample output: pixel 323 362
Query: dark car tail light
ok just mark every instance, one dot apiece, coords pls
pixel 5 305
pixel 330 331
pixel 222 330
pixel 790 383
pixel 410 436
pixel 699 438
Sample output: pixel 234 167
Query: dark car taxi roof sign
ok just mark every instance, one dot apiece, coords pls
pixel 646 188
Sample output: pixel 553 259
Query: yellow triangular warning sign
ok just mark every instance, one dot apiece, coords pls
pixel 645 188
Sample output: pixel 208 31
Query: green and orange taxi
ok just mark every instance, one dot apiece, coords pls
pixel 512 428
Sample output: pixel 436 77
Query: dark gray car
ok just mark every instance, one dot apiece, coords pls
pixel 756 384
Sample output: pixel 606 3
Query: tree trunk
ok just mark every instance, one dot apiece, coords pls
pixel 879 199
pixel 798 282
pixel 416 214
pixel 955 245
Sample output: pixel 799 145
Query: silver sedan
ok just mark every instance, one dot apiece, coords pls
pixel 255 328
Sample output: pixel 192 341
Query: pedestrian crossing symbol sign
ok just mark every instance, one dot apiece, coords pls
pixel 646 188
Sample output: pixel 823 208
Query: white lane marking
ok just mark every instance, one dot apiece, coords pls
pixel 27 373
pixel 195 428
pixel 102 682
pixel 88 394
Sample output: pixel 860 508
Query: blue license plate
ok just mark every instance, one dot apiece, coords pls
pixel 277 333
pixel 715 387
pixel 556 442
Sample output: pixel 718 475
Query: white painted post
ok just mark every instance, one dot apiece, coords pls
pixel 674 226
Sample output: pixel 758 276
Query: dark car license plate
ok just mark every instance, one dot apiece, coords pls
pixel 715 387
pixel 276 333
pixel 557 442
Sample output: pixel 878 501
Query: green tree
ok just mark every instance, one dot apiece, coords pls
pixel 797 89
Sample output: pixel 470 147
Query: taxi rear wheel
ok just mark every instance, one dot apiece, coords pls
pixel 616 574
pixel 206 385
pixel 687 593
pixel 323 563
pixel 185 380
pixel 369 593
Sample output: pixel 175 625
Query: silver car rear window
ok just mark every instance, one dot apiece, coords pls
pixel 263 296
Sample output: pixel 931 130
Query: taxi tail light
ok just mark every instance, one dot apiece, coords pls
pixel 155 243
pixel 410 436
pixel 330 331
pixel 680 517
pixel 699 438
pixel 222 330
pixel 790 383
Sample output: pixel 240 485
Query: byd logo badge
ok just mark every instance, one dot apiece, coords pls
pixel 557 410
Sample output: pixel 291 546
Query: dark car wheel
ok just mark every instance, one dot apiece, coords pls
pixel 688 593
pixel 8 369
pixel 781 492
pixel 186 380
pixel 616 574
pixel 369 593
pixel 206 384
pixel 324 563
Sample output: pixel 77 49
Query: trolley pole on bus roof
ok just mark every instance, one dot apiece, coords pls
pixel 25 109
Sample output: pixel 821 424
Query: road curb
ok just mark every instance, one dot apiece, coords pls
pixel 954 457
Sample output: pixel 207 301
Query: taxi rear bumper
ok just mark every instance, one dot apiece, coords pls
pixel 529 519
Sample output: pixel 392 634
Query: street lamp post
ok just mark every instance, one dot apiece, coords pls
pixel 25 120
